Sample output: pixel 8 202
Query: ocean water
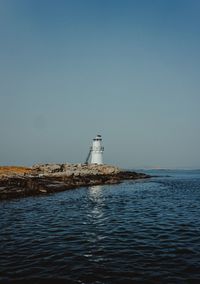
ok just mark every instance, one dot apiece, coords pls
pixel 144 231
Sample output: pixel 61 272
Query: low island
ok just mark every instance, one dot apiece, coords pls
pixel 50 178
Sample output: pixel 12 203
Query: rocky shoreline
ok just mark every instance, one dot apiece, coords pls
pixel 51 178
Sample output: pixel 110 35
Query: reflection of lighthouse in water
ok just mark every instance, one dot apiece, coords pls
pixel 96 151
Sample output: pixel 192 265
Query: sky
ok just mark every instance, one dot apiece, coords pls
pixel 128 70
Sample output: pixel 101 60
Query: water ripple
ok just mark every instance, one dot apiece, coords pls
pixel 135 232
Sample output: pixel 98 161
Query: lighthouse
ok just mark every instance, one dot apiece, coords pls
pixel 96 151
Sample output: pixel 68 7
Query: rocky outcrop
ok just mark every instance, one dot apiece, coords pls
pixel 50 178
pixel 74 169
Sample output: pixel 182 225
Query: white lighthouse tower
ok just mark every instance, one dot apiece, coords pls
pixel 97 151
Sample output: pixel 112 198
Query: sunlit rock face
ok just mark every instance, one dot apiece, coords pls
pixel 74 169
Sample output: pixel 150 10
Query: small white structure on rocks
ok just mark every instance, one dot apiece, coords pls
pixel 96 151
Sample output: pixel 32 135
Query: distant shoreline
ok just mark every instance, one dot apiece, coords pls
pixel 17 182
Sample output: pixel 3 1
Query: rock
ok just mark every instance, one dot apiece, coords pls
pixel 58 177
pixel 43 190
pixel 74 169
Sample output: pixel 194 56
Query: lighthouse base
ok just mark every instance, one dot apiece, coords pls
pixel 97 158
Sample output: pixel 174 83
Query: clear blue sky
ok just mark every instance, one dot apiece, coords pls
pixel 129 70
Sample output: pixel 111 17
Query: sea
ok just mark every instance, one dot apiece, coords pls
pixel 145 231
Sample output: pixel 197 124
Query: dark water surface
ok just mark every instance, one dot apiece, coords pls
pixel 135 232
